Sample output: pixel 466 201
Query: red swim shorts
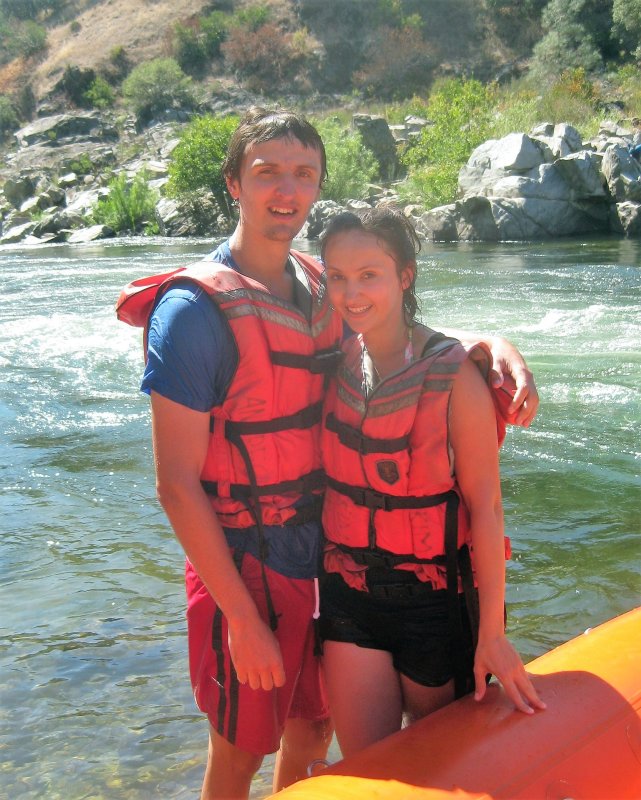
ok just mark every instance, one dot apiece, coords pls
pixel 254 719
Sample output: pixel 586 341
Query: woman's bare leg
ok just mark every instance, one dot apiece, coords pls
pixel 364 694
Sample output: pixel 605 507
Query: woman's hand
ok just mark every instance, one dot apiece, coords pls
pixel 498 657
pixel 507 360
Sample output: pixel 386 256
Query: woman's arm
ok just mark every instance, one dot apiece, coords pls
pixel 476 464
pixel 507 360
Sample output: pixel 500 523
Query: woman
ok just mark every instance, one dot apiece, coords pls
pixel 412 603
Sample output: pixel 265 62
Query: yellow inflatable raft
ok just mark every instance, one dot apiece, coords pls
pixel 585 746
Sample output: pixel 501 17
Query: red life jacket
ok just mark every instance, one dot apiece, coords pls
pixel 392 498
pixel 264 448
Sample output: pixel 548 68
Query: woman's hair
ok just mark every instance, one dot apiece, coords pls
pixel 396 235
pixel 262 125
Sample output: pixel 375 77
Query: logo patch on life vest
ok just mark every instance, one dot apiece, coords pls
pixel 388 471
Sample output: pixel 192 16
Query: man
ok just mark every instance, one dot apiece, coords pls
pixel 236 386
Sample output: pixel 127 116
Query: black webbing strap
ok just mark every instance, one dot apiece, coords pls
pixel 461 678
pixel 469 590
pixel 323 362
pixel 375 558
pixel 253 504
pixel 301 420
pixel 306 484
pixel 355 440
pixel 378 501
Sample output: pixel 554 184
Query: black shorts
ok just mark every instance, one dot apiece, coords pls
pixel 402 616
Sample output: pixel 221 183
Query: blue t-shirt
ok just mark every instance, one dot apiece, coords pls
pixel 191 359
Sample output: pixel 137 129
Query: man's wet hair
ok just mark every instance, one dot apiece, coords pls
pixel 263 125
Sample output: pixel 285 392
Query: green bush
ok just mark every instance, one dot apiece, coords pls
pixel 28 38
pixel 351 165
pixel 156 86
pixel 461 112
pixel 128 206
pixel 99 94
pixel 188 48
pixel 215 28
pixel 75 83
pixel 8 118
pixel 196 161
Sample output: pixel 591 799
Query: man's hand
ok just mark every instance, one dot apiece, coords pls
pixel 256 654
pixel 507 360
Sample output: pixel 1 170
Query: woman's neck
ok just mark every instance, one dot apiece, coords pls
pixel 391 351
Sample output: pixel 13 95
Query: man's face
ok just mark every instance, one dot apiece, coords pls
pixel 279 182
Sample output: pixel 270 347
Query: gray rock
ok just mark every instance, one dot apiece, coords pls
pixel 17 233
pixel 622 173
pixel 377 136
pixel 319 215
pixel 629 215
pixel 19 188
pixel 90 234
pixel 51 130
pixel 496 159
pixel 582 173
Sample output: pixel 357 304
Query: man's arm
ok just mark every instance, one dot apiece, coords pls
pixel 180 440
pixel 507 360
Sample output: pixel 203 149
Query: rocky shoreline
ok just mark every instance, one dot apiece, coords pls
pixel 526 186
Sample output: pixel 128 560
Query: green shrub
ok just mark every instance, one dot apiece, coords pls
pixel 99 94
pixel 129 204
pixel 29 38
pixel 351 165
pixel 156 86
pixel 188 48
pixel 461 112
pixel 215 28
pixel 196 161
pixel 8 118
pixel 75 83
pixel 251 18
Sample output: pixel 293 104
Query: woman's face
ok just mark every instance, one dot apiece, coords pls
pixel 363 282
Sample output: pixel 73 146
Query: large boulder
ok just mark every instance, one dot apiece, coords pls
pixel 90 234
pixel 514 154
pixel 516 218
pixel 377 136
pixel 60 127
pixel 19 188
pixel 623 173
pixel 629 217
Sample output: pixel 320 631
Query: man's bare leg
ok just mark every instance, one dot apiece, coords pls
pixel 303 741
pixel 229 770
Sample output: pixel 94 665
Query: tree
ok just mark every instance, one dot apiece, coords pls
pixel 196 161
pixel 578 35
pixel 626 18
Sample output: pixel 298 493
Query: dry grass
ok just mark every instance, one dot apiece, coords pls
pixel 137 25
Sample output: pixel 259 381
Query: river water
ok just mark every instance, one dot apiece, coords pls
pixel 94 695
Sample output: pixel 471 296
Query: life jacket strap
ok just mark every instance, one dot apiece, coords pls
pixel 301 420
pixel 378 501
pixel 376 558
pixel 312 481
pixel 355 440
pixel 323 362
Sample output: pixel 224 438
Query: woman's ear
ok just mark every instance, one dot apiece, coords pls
pixel 407 276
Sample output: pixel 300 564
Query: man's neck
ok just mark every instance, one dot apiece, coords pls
pixel 264 261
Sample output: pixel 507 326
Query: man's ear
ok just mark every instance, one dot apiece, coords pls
pixel 233 187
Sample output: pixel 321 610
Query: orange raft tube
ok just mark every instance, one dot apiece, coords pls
pixel 585 746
